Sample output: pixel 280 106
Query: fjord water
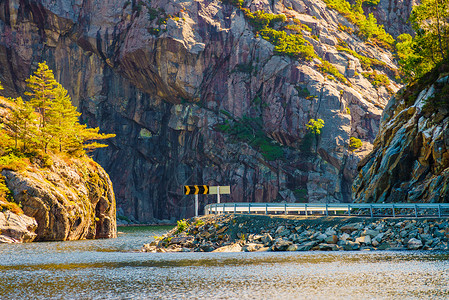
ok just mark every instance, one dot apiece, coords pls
pixel 109 269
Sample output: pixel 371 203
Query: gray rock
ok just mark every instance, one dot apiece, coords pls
pixel 251 247
pixel 284 232
pixel 349 228
pixel 281 245
pixel 330 232
pixel 344 236
pixel 293 247
pixel 267 239
pixel 229 248
pixel 327 247
pixel 371 233
pixel 379 237
pixel 182 240
pixel 307 246
pixel 321 237
pixel 280 229
pixel 414 244
pixel 16 228
pixel 333 239
pixel 366 239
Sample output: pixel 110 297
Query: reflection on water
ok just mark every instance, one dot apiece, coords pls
pixel 108 269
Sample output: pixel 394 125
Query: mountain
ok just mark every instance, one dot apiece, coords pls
pixel 198 93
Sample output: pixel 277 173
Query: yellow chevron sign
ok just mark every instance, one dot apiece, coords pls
pixel 196 189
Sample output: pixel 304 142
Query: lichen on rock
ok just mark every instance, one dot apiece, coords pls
pixel 71 200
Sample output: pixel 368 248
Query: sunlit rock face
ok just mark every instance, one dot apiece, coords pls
pixel 410 160
pixel 393 15
pixel 166 76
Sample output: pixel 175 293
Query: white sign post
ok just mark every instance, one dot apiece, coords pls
pixel 196 205
pixel 218 194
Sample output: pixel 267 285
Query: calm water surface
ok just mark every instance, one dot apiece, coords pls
pixel 108 269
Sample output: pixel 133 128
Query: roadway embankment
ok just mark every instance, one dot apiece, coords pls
pixel 245 232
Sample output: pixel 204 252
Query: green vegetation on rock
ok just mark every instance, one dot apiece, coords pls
pixel 49 121
pixel 327 68
pixel 250 130
pixel 420 54
pixel 354 143
pixel 366 62
pixel 314 126
pixel 369 29
pixel 378 80
pixel 293 45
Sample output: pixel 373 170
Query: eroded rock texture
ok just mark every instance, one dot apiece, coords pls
pixel 166 90
pixel 70 200
pixel 394 15
pixel 410 160
pixel 16 228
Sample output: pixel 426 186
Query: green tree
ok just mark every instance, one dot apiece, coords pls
pixel 59 127
pixel 23 123
pixel 314 127
pixel 63 118
pixel 430 45
pixel 42 85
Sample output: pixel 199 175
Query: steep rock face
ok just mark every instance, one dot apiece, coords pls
pixel 166 90
pixel 70 200
pixel 16 228
pixel 394 15
pixel 410 160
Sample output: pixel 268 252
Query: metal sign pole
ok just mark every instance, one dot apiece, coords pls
pixel 218 194
pixel 196 205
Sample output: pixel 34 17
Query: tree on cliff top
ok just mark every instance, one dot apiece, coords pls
pixel 42 85
pixel 59 127
pixel 421 53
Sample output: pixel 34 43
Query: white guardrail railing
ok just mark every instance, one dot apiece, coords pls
pixel 357 209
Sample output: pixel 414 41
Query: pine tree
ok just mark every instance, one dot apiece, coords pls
pixel 59 127
pixel 42 85
pixel 23 124
pixel 62 117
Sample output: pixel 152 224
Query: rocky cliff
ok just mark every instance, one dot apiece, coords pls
pixel 196 97
pixel 16 227
pixel 62 198
pixel 410 160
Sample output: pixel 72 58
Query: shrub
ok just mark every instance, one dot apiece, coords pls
pixel 369 29
pixel 181 226
pixel 348 110
pixel 354 143
pixel 314 126
pixel 378 80
pixel 327 67
pixel 261 20
pixel 13 162
pixel 250 130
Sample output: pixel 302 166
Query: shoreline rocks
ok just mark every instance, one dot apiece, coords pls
pixel 250 233
pixel 16 228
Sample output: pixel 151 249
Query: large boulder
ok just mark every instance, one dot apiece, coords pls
pixel 16 228
pixel 73 199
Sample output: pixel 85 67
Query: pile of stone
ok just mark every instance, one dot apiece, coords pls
pixel 235 233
